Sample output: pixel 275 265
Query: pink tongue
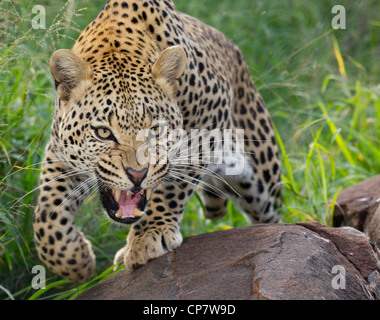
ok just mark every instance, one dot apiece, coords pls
pixel 127 203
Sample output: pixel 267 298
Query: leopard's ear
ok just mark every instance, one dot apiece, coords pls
pixel 68 70
pixel 168 68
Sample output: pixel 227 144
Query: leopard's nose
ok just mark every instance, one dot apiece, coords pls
pixel 135 176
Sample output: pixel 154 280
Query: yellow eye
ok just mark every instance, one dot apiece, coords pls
pixel 103 133
pixel 156 130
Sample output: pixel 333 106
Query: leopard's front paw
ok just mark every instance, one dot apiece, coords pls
pixel 152 244
pixel 119 256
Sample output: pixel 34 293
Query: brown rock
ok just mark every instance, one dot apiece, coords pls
pixel 351 244
pixel 286 261
pixel 358 207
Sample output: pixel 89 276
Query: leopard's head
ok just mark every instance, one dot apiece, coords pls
pixel 111 119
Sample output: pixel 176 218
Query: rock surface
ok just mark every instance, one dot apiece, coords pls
pixel 285 261
pixel 358 207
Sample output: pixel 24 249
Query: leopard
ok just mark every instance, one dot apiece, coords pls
pixel 139 72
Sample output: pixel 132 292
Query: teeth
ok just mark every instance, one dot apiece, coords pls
pixel 117 195
pixel 137 212
pixel 148 193
pixel 118 213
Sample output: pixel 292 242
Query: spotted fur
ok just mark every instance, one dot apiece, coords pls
pixel 138 62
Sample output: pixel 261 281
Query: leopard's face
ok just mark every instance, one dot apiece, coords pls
pixel 115 130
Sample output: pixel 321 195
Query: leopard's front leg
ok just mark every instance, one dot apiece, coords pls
pixel 158 231
pixel 60 244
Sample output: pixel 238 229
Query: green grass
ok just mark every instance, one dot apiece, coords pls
pixel 320 85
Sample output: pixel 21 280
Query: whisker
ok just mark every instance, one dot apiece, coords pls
pixel 72 195
pixel 219 192
pixel 30 166
pixel 62 176
pixel 208 172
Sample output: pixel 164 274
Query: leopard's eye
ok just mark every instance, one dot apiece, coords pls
pixel 156 130
pixel 103 133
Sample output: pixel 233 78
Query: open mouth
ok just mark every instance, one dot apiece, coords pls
pixel 125 206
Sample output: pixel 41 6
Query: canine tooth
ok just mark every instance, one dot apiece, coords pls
pixel 148 193
pixel 117 195
pixel 137 212
pixel 118 213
